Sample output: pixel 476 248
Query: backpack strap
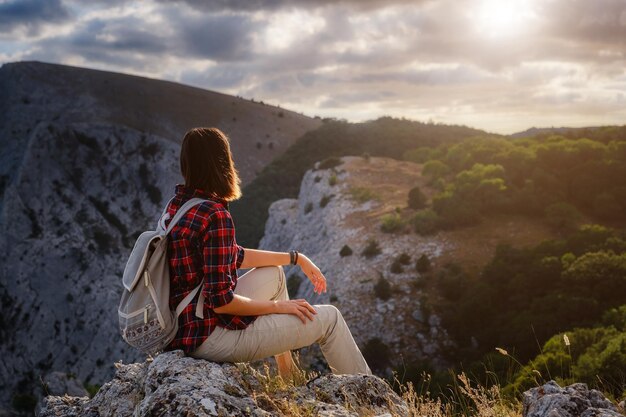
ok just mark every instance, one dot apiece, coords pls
pixel 179 215
pixel 181 212
pixel 185 301
pixel 161 222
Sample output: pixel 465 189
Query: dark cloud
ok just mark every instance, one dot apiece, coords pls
pixel 31 14
pixel 269 5
pixel 124 34
pixel 219 37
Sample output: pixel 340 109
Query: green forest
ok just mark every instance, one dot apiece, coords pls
pixel 556 310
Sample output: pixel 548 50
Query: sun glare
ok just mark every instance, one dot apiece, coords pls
pixel 497 18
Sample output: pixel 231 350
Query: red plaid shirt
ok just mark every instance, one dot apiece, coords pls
pixel 202 248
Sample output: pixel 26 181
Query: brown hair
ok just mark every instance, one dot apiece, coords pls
pixel 206 163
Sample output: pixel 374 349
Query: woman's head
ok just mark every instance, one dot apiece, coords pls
pixel 206 163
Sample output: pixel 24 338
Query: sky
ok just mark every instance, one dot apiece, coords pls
pixel 498 65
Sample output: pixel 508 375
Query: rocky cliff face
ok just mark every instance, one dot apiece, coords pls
pixel 343 206
pixel 88 160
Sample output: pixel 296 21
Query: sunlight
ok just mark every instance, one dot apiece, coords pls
pixel 286 28
pixel 502 17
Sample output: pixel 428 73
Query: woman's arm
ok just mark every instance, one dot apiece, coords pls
pixel 256 258
pixel 244 306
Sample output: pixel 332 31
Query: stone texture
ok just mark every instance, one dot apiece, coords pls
pixel 576 400
pixel 173 384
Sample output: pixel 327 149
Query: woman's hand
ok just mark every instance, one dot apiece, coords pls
pixel 313 273
pixel 300 308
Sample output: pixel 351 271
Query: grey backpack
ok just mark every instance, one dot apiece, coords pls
pixel 145 318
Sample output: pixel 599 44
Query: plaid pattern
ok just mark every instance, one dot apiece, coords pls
pixel 202 246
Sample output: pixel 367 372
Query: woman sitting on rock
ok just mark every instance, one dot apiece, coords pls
pixel 251 317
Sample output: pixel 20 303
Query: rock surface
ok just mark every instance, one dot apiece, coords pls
pixel 576 400
pixel 325 217
pixel 173 384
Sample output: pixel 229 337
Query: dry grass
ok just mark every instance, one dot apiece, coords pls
pixel 465 399
pixel 285 397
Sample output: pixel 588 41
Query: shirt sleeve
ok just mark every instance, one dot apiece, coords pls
pixel 240 254
pixel 219 249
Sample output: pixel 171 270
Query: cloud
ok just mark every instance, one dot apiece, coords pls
pixel 272 5
pixel 31 14
pixel 218 37
pixel 359 59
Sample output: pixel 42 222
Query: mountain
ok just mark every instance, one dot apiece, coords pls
pixel 534 131
pixel 88 160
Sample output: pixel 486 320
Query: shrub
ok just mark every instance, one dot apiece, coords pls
pixel 345 251
pixel 396 267
pixel 426 222
pixel 332 180
pixel 317 179
pixel 391 223
pixel 325 200
pixel 362 194
pixel 308 207
pixel 404 258
pixel 423 264
pixel 371 249
pixel 382 288
pixel 417 199
pixel 435 169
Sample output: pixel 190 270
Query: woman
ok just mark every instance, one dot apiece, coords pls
pixel 241 319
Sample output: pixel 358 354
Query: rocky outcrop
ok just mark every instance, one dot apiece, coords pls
pixel 576 400
pixel 328 215
pixel 173 384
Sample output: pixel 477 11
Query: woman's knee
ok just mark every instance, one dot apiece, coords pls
pixel 328 313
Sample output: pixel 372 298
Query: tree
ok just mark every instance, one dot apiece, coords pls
pixel 435 169
pixel 417 199
pixel 563 217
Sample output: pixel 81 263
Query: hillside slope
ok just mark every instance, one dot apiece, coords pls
pixel 88 160
pixel 35 94
pixel 346 205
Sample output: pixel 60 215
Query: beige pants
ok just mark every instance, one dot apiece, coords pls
pixel 273 334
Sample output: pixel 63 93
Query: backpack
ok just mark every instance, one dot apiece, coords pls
pixel 145 319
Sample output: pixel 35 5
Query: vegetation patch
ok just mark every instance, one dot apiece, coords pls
pixel 371 249
pixel 345 251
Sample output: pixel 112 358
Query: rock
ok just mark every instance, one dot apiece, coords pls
pixel 59 383
pixel 173 384
pixel 576 400
pixel 321 231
